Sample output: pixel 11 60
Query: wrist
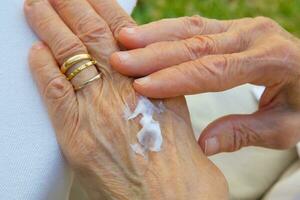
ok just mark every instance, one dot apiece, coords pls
pixel 179 171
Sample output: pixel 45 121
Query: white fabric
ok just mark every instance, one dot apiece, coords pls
pixel 258 92
pixel 287 187
pixel 31 165
pixel 128 5
pixel 251 171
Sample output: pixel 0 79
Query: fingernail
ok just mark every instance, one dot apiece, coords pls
pixel 143 81
pixel 123 56
pixel 31 2
pixel 129 30
pixel 38 45
pixel 212 146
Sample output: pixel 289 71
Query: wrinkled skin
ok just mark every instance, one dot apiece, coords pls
pixel 90 126
pixel 193 55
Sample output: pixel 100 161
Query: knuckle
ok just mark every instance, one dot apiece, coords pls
pixel 195 20
pixel 219 66
pixel 206 72
pixel 284 52
pixel 61 4
pixel 240 138
pixel 239 41
pixel 66 47
pixel 230 67
pixel 282 44
pixel 57 88
pixel 266 23
pixel 120 21
pixel 90 27
pixel 199 46
pixel 279 48
pixel 193 25
pixel 243 135
pixel 190 82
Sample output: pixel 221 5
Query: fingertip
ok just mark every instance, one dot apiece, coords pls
pixel 115 61
pixel 35 51
pixel 40 55
pixel 119 61
pixel 149 87
pixel 143 87
pixel 214 138
pixel 131 38
pixel 203 142
pixel 230 133
pixel 210 143
pixel 143 82
pixel 160 84
pixel 26 8
pixel 211 146
pixel 28 3
pixel 38 45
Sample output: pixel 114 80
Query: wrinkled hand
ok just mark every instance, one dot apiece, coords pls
pixel 90 126
pixel 193 55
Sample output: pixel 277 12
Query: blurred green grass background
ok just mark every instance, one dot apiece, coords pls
pixel 285 12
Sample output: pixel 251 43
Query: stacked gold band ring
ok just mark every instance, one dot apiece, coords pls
pixel 88 82
pixel 74 60
pixel 80 69
pixel 71 62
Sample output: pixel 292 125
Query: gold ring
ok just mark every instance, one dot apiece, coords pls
pixel 80 69
pixel 88 82
pixel 73 60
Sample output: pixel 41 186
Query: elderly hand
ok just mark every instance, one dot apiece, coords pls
pixel 90 125
pixel 192 55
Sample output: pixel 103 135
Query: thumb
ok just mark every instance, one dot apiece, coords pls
pixel 233 132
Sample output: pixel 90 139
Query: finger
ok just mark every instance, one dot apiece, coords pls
pixel 170 30
pixel 113 14
pixel 51 29
pixel 265 129
pixel 141 62
pixel 212 74
pixel 56 91
pixel 88 26
pixel 207 74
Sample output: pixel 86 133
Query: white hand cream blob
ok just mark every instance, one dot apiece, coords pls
pixel 149 137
